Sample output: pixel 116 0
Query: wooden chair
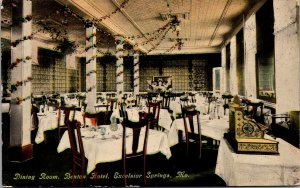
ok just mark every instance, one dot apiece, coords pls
pixel 253 112
pixel 62 101
pixel 94 117
pixel 166 102
pixel 136 128
pixel 112 103
pixel 153 111
pixel 66 110
pixel 78 156
pixel 192 97
pixel 104 113
pixel 184 102
pixel 139 98
pixel 226 99
pixel 187 114
pixel 54 106
pixel 151 95
pixel 211 99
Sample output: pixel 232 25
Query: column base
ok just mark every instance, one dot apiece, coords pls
pixel 20 153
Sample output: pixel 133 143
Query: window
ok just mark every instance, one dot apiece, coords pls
pixel 240 62
pixel 217 83
pixel 265 72
pixel 228 67
pixel 265 64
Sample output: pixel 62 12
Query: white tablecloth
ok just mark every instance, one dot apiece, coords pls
pixel 211 128
pixel 48 121
pixel 165 119
pixel 98 150
pixel 259 170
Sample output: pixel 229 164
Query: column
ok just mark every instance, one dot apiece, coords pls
pixel 250 57
pixel 233 74
pixel 20 119
pixel 136 73
pixel 91 57
pixel 223 72
pixel 119 67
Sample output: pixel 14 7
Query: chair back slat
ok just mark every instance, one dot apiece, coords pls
pixel 190 115
pixel 66 110
pixel 75 138
pixel 136 128
pixel 153 111
pixel 94 118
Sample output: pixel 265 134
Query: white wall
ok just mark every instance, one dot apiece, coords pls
pixel 287 60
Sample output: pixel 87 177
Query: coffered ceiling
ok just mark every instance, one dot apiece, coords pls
pixel 205 25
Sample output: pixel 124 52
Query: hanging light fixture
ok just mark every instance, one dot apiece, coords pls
pixel 175 23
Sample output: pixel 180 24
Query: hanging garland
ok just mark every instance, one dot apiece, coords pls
pixel 91 72
pixel 90 47
pixel 90 60
pixel 66 10
pixel 136 71
pixel 171 48
pixel 119 73
pixel 19 101
pixel 14 64
pixel 120 57
pixel 91 36
pixel 16 42
pixel 120 65
pixel 54 33
pixel 90 88
pixel 154 37
pixel 14 87
pixel 149 33
pixel 162 38
pixel 27 18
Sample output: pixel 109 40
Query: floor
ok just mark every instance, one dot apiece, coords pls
pixel 49 168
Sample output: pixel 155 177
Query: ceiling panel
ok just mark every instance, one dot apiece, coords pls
pixel 208 24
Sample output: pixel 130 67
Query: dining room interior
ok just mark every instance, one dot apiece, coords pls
pixel 150 93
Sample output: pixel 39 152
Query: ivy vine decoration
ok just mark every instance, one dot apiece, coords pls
pixel 66 46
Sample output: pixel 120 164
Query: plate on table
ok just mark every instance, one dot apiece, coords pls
pixel 41 114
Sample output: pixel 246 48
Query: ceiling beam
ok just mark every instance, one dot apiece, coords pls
pixel 132 21
pixel 220 21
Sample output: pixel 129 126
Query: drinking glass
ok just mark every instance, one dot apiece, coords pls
pixel 102 132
